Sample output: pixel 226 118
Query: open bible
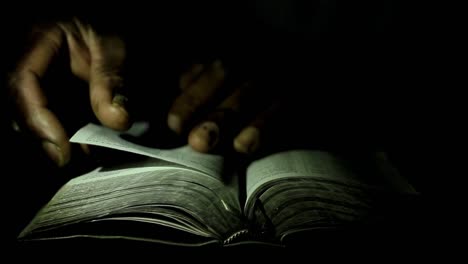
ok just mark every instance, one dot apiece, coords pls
pixel 181 197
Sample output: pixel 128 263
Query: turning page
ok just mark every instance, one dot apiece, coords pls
pixel 93 134
pixel 179 198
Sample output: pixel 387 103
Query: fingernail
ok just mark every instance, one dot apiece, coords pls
pixel 204 137
pixel 54 152
pixel 248 140
pixel 175 123
pixel 120 101
pixel 210 131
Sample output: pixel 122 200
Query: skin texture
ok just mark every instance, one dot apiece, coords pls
pixel 206 109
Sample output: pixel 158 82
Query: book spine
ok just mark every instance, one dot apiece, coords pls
pixel 236 236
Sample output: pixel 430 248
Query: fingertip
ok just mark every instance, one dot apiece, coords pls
pixel 59 155
pixel 248 140
pixel 204 137
pixel 55 142
pixel 85 148
pixel 198 143
pixel 115 117
pixel 174 122
pixel 109 108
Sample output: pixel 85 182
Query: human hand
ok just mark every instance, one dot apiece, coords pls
pixel 215 112
pixel 94 58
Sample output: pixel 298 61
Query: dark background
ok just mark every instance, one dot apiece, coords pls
pixel 369 64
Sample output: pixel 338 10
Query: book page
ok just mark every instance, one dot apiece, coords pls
pixel 147 191
pixel 296 163
pixel 318 164
pixel 300 190
pixel 93 134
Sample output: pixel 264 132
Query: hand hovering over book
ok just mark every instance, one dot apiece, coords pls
pixel 93 58
pixel 217 111
pixel 207 109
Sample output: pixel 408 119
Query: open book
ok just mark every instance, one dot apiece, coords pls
pixel 181 197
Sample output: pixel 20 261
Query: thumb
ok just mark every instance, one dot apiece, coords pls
pixel 106 82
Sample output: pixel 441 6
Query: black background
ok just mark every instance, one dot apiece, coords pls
pixel 371 67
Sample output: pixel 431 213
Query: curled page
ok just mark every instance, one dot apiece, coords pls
pixel 96 135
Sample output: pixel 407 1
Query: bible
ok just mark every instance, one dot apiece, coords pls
pixel 180 197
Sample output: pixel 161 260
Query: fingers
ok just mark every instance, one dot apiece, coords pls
pixel 237 120
pixel 221 125
pixel 99 59
pixel 80 57
pixel 31 102
pixel 250 138
pixel 195 97
pixel 204 137
pixel 107 58
pixel 190 76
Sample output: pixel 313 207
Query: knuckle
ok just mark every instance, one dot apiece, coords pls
pixel 53 36
pixel 14 83
pixel 109 75
pixel 114 80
